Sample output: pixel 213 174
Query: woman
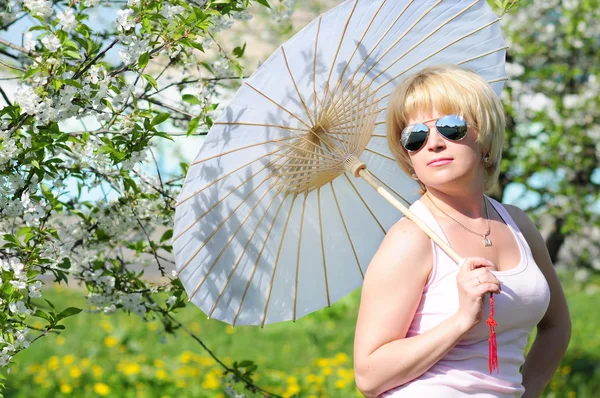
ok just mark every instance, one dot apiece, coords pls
pixel 419 331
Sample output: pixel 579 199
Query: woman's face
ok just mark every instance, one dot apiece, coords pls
pixel 443 163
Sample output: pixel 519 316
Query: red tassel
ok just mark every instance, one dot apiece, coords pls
pixel 492 344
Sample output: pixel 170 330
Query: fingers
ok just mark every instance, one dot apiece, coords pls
pixel 471 263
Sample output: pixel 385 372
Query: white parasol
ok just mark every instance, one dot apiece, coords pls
pixel 272 222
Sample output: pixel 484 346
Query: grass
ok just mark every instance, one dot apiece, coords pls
pixel 121 356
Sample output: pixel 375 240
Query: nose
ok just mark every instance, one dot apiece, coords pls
pixel 435 141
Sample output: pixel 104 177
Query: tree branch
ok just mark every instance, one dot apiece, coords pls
pixel 18 48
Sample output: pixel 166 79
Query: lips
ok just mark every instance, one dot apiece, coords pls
pixel 439 161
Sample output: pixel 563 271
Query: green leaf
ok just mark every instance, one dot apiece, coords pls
pixel 150 80
pixel 193 125
pixel 143 60
pixel 264 3
pixel 158 119
pixel 192 99
pixel 67 313
pixel 239 51
pixel 30 72
pixel 167 235
pixel 73 54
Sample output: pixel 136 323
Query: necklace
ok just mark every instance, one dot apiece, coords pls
pixel 486 240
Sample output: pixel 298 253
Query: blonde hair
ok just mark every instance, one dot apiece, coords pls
pixel 450 90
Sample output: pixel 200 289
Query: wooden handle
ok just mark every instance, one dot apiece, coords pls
pixel 364 173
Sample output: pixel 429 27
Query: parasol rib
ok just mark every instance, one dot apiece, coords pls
pixel 482 55
pixel 323 247
pixel 365 203
pixel 337 52
pixel 257 260
pixel 315 65
pixel 381 154
pixel 205 242
pixel 216 260
pixel 237 261
pixel 287 221
pixel 298 256
pixel 347 232
pixel 226 175
pixel 239 149
pixel 287 65
pixel 277 104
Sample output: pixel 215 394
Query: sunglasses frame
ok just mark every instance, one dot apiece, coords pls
pixel 437 119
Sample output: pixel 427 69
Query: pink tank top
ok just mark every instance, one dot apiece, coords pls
pixel 518 309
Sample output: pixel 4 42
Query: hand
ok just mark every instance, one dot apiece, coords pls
pixel 474 281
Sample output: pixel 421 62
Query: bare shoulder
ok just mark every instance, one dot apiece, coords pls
pixel 405 247
pixel 527 227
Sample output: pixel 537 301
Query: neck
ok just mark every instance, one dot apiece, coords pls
pixel 467 202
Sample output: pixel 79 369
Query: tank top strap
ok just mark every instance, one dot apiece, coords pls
pixel 521 241
pixel 421 211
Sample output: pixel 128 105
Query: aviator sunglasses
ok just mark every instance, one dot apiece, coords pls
pixel 451 127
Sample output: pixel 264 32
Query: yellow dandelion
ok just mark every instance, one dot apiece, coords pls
pixel 340 384
pixel 106 325
pixel 210 382
pixel 311 378
pixel 75 372
pixel 159 363
pixel 60 340
pixel 323 362
pixel 97 371
pixel 53 363
pixel 186 356
pixel 129 368
pixel 110 341
pixel 291 380
pixel 195 327
pixel 101 389
pixel 161 374
pixel 68 359
pixel 566 370
pixel 341 357
pixel 34 368
pixel 327 371
pixel 65 388
pixel 293 388
pixel 152 326
pixel 230 330
pixel 85 363
pixel 205 361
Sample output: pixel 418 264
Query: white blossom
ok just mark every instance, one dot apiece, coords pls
pixel 29 42
pixel 67 20
pixel 124 22
pixel 41 8
pixel 34 289
pixel 27 99
pixel 51 42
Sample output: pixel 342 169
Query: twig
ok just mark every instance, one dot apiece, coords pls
pixel 96 58
pixel 167 106
pixel 18 48
pixel 12 66
pixel 4 96
pixel 160 266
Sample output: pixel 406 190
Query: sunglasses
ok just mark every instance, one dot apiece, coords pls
pixel 451 127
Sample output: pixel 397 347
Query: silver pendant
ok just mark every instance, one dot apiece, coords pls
pixel 487 242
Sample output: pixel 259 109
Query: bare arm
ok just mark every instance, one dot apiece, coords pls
pixel 554 330
pixel 383 357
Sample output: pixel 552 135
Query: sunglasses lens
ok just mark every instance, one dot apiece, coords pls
pixel 414 137
pixel 453 127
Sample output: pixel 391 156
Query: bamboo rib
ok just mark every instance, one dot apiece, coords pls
pixel 237 261
pixel 504 78
pixel 240 149
pixel 368 56
pixel 381 154
pixel 482 55
pixel 323 247
pixel 389 188
pixel 216 260
pixel 205 242
pixel 435 52
pixel 226 175
pixel 338 51
pixel 395 43
pixel 262 125
pixel 277 104
pixel 257 261
pixel 347 232
pixel 366 175
pixel 315 66
pixel 264 317
pixel 365 203
pixel 287 65
pixel 339 82
pixel 298 256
